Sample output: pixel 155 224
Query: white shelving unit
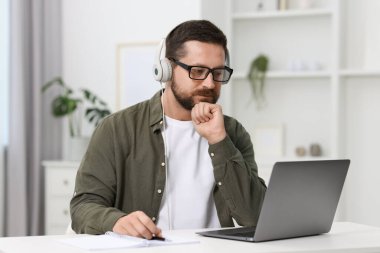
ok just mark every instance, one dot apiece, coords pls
pixel 281 35
pixel 316 35
pixel 333 105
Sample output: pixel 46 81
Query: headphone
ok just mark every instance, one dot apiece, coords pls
pixel 162 68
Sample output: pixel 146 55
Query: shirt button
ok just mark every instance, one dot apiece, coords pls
pixel 161 122
pixel 219 183
pixel 159 191
pixel 212 154
pixel 153 218
pixel 162 164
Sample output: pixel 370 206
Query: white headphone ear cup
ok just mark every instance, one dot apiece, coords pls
pixel 166 70
pixel 157 72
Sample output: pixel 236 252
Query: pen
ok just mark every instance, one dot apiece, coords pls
pixel 158 238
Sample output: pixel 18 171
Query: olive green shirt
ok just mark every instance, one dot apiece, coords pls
pixel 124 168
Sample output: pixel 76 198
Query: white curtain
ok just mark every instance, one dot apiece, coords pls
pixel 35 57
pixel 4 73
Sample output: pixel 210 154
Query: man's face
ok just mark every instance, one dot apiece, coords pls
pixel 189 92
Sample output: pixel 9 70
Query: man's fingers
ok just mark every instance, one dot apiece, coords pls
pixel 158 232
pixel 136 224
pixel 141 229
pixel 146 226
pixel 206 111
pixel 120 228
pixel 201 112
pixel 124 226
pixel 194 115
pixel 132 231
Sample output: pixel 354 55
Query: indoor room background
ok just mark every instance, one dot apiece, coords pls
pixel 320 99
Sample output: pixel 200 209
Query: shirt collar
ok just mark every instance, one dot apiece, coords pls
pixel 155 120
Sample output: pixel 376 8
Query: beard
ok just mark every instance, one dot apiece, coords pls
pixel 188 102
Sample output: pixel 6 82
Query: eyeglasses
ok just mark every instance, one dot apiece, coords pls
pixel 221 75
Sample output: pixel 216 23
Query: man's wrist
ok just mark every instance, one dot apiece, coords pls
pixel 216 138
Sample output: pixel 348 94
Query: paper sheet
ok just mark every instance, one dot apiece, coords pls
pixel 109 241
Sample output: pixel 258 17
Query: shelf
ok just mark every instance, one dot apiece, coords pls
pixel 270 161
pixel 359 73
pixel 59 163
pixel 289 74
pixel 313 74
pixel 281 14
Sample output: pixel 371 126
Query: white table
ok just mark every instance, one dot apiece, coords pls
pixel 344 237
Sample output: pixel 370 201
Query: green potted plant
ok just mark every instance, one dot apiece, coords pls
pixel 69 105
pixel 256 77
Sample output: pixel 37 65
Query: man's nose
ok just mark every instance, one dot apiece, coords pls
pixel 209 82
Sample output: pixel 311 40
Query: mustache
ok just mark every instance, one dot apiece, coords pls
pixel 205 93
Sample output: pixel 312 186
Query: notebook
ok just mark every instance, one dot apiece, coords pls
pixel 301 200
pixel 111 240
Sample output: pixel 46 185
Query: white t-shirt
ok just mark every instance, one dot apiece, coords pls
pixel 188 199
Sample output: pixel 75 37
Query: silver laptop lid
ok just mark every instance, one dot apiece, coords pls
pixel 301 199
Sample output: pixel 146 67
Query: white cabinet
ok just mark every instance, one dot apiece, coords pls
pixel 59 188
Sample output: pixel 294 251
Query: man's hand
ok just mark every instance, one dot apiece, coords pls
pixel 209 122
pixel 137 224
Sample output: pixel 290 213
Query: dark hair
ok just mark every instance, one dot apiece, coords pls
pixel 199 30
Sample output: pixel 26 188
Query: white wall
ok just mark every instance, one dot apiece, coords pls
pixel 216 11
pixel 4 43
pixel 93 28
pixel 362 144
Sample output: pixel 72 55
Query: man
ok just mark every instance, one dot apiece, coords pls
pixel 174 161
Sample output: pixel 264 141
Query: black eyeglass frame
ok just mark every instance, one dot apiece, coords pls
pixel 189 67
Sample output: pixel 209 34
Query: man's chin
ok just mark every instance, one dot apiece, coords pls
pixel 205 99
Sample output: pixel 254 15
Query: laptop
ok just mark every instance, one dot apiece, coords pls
pixel 301 200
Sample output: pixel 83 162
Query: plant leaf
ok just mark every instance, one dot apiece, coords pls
pixel 57 80
pixel 62 106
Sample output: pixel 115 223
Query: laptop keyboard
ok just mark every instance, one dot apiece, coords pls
pixel 244 232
